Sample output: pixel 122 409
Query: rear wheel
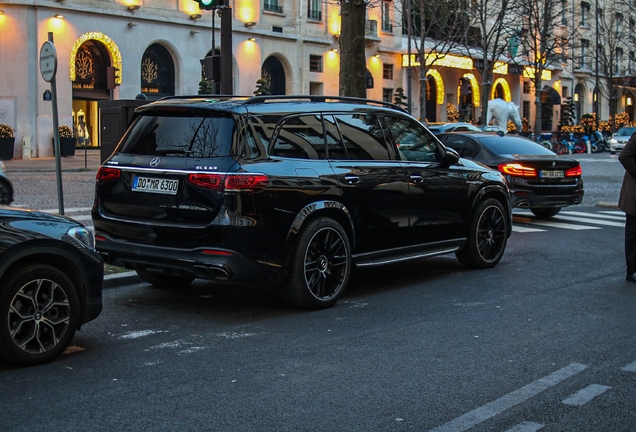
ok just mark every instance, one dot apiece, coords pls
pixel 39 314
pixel 163 279
pixel 545 213
pixel 487 237
pixel 320 265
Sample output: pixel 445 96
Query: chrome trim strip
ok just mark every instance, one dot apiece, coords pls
pixel 406 258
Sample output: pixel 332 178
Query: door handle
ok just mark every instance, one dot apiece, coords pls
pixel 352 180
pixel 416 178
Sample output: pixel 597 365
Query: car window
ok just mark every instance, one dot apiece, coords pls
pixel 363 137
pixel 414 143
pixel 626 131
pixel 300 137
pixel 465 147
pixel 183 136
pixel 335 148
pixel 514 145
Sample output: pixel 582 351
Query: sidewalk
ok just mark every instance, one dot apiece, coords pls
pixel 83 160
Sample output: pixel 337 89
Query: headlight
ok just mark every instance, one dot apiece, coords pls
pixel 83 236
pixel 613 140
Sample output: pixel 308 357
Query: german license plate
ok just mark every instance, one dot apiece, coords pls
pixel 155 185
pixel 551 174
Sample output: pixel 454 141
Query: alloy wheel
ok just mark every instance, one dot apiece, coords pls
pixel 491 233
pixel 325 264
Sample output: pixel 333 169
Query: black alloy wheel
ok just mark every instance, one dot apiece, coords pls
pixel 320 266
pixel 487 237
pixel 40 311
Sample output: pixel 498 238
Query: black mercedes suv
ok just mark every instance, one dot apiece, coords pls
pixel 292 191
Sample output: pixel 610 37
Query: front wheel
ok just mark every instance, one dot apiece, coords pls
pixel 487 236
pixel 319 266
pixel 39 314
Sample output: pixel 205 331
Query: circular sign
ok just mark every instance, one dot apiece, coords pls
pixel 48 61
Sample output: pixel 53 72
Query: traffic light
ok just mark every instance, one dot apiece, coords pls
pixel 211 4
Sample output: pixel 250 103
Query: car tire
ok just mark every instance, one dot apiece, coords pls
pixel 320 266
pixel 612 152
pixel 39 314
pixel 487 237
pixel 545 213
pixel 5 194
pixel 162 279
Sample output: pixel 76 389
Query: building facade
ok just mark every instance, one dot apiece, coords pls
pixel 117 50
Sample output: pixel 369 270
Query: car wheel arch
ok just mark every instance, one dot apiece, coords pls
pixel 57 257
pixel 327 208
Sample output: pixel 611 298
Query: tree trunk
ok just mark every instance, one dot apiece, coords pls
pixel 486 77
pixel 423 72
pixel 353 65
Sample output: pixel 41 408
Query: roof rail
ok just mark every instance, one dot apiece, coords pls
pixel 203 96
pixel 321 98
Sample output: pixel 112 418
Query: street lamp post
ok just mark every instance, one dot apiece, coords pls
pixel 596 83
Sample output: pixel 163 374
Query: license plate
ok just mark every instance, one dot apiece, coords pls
pixel 552 174
pixel 155 185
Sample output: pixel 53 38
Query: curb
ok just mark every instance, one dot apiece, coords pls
pixel 118 279
pixel 605 204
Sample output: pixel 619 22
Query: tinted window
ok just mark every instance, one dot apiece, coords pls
pixel 301 137
pixel 413 142
pixel 513 145
pixel 363 136
pixel 197 137
pixel 463 146
pixel 335 148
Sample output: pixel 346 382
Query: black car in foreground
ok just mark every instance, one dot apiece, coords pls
pixel 290 190
pixel 51 281
pixel 539 180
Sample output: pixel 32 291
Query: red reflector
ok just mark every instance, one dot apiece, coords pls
pixel 573 172
pixel 106 174
pixel 217 252
pixel 100 238
pixel 518 170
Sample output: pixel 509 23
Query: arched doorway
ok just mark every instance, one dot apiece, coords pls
pixel 498 92
pixel 157 72
pixel 273 73
pixel 549 98
pixel 95 70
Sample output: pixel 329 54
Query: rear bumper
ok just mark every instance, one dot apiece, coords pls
pixel 547 196
pixel 216 264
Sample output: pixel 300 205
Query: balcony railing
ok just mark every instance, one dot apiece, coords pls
pixel 371 28
pixel 272 7
pixel 314 15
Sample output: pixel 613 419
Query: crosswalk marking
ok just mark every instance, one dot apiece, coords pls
pixel 554 224
pixel 590 220
pixel 520 229
pixel 592 215
pixel 630 367
pixel 614 212
pixel 526 427
pixel 585 395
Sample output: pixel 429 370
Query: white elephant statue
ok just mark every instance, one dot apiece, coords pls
pixel 501 111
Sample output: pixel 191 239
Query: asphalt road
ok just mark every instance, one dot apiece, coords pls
pixel 544 341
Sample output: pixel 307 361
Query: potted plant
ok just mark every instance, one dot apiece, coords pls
pixel 7 140
pixel 67 141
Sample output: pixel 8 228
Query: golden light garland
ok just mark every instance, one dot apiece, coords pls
pixel 110 45
pixel 506 89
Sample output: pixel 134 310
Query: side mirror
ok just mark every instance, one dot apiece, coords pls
pixel 451 157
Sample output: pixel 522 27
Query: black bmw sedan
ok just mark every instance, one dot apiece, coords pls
pixel 539 180
pixel 50 284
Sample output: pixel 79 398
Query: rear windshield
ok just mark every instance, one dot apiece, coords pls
pixel 197 137
pixel 513 145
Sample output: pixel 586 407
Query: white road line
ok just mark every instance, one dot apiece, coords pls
pixel 630 367
pixel 585 395
pixel 491 409
pixel 67 210
pixel 519 229
pixel 593 215
pixel 82 217
pixel 613 212
pixel 526 427
pixel 553 224
pixel 594 221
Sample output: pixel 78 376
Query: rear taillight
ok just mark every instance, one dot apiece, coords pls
pixel 574 172
pixel 517 170
pixel 230 182
pixel 107 174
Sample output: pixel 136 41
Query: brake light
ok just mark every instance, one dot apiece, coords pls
pixel 574 172
pixel 217 252
pixel 517 170
pixel 230 182
pixel 107 174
